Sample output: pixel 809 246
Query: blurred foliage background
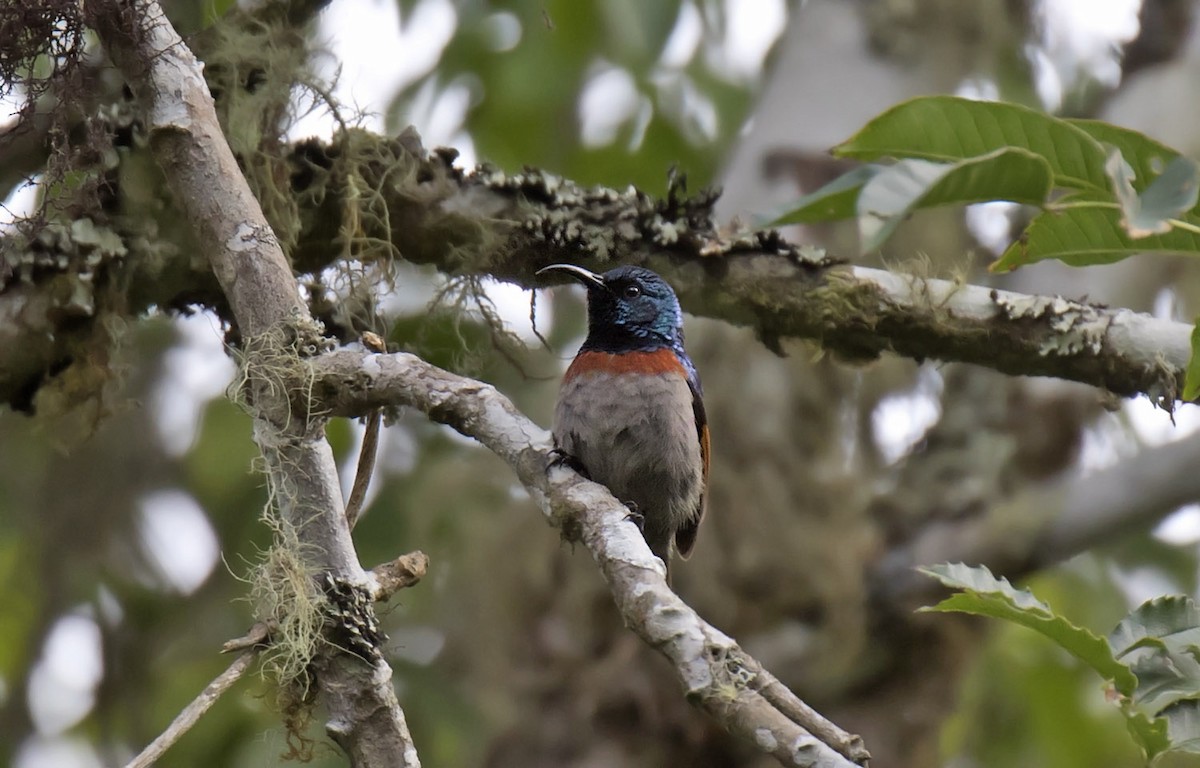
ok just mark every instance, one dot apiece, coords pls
pixel 126 532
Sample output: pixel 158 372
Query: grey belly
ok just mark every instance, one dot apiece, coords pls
pixel 640 441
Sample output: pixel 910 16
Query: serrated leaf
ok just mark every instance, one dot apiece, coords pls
pixel 1010 174
pixel 1163 715
pixel 1151 733
pixel 949 129
pixel 1191 381
pixel 1183 726
pixel 985 595
pixel 1166 630
pixel 836 200
pixel 979 578
pixel 1082 231
pixel 1169 622
pixel 1164 679
pixel 1168 196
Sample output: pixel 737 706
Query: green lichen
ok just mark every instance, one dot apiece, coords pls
pixel 286 598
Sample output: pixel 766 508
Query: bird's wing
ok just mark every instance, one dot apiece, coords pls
pixel 685 535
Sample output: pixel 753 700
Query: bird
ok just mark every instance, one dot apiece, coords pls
pixel 630 412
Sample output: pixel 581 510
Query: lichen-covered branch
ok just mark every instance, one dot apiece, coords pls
pixel 1122 351
pixel 509 226
pixel 715 672
pixel 257 280
pixel 422 209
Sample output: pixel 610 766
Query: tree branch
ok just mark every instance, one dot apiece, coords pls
pixel 395 575
pixel 1048 523
pixel 508 226
pixel 715 672
pixel 228 223
pixel 1125 352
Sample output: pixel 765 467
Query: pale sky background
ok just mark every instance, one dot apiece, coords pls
pixel 378 54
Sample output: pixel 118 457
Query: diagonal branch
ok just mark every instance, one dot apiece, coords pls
pixel 192 713
pixel 715 672
pixel 364 715
pixel 1049 523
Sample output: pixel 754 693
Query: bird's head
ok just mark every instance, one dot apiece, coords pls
pixel 628 308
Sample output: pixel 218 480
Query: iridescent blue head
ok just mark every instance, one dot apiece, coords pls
pixel 629 309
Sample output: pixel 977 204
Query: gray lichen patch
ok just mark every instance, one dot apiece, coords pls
pixel 1075 328
pixel 596 223
pixel 76 250
pixel 602 225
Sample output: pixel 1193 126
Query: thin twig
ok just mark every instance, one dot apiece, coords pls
pixel 184 721
pixel 850 745
pixel 370 446
pixel 257 636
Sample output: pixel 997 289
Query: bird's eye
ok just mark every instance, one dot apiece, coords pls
pixel 632 291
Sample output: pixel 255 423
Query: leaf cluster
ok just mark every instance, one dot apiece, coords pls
pixel 1099 193
pixel 1102 192
pixel 1150 660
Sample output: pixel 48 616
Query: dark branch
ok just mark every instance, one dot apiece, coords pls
pixel 508 226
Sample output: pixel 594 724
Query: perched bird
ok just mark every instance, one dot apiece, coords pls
pixel 630 413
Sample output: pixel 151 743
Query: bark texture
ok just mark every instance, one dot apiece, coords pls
pixel 364 716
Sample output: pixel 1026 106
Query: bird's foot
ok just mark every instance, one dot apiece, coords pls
pixel 560 458
pixel 635 517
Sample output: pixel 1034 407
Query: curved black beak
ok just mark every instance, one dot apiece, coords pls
pixel 587 277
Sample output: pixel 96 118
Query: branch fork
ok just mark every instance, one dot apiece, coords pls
pixel 716 674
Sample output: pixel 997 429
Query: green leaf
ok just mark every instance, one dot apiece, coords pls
pixel 1170 622
pixel 1159 703
pixel 1171 194
pixel 890 196
pixel 1151 733
pixel 985 595
pixel 1081 230
pixel 1191 381
pixel 836 200
pixel 1146 156
pixel 979 578
pixel 949 129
